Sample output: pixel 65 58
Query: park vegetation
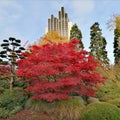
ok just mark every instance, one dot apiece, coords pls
pixel 57 79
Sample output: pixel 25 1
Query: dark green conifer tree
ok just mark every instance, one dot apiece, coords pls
pixel 11 52
pixel 98 44
pixel 116 46
pixel 75 32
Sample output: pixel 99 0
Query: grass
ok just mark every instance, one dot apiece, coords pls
pixel 62 110
pixel 111 88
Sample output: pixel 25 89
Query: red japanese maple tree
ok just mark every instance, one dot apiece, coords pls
pixel 55 71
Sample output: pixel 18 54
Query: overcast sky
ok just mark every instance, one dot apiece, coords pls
pixel 27 19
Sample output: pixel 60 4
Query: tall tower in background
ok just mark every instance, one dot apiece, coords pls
pixel 60 24
pixel 63 22
pixel 53 24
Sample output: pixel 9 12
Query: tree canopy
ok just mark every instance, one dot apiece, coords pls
pixel 51 38
pixel 55 71
pixel 75 32
pixel 98 44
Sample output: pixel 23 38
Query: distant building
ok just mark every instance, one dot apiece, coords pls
pixel 60 24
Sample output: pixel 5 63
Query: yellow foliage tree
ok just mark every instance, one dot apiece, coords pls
pixel 52 37
pixel 114 22
pixel 117 22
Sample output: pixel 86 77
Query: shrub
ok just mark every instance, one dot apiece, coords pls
pixel 40 106
pixel 108 92
pixel 112 86
pixel 4 113
pixel 12 102
pixel 115 102
pixel 117 71
pixel 70 109
pixel 30 115
pixel 60 110
pixel 1 90
pixel 4 83
pixel 101 111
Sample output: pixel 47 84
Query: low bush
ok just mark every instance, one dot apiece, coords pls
pixel 40 106
pixel 101 111
pixel 110 91
pixel 115 102
pixel 11 102
pixel 30 115
pixel 117 72
pixel 4 83
pixel 1 90
pixel 4 113
pixel 70 109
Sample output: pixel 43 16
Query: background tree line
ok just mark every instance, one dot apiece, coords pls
pixel 98 42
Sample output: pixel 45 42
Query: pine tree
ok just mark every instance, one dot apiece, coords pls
pixel 98 44
pixel 9 55
pixel 117 45
pixel 114 24
pixel 76 33
pixel 117 39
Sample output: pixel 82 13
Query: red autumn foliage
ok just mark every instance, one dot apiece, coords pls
pixel 4 71
pixel 30 115
pixel 55 71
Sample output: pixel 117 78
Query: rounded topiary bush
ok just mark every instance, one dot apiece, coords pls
pixel 101 111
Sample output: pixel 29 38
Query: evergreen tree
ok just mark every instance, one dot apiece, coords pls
pixel 98 44
pixel 76 33
pixel 114 24
pixel 117 45
pixel 117 39
pixel 9 55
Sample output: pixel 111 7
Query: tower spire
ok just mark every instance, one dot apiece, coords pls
pixel 59 24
